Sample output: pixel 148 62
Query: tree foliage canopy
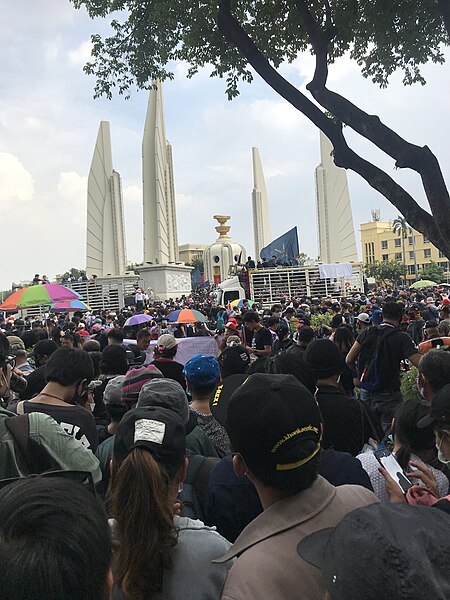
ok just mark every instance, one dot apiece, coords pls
pixel 238 38
pixel 386 270
pixel 432 271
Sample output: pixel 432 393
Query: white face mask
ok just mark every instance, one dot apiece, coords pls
pixel 441 456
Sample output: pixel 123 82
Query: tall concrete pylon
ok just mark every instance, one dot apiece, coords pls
pixel 260 206
pixel 160 222
pixel 336 233
pixel 105 237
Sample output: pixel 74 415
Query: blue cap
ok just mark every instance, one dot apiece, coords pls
pixel 376 317
pixel 202 370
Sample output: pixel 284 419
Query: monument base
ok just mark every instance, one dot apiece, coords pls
pixel 162 282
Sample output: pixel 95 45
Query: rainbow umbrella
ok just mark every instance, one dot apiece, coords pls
pixel 39 295
pixel 186 315
pixel 239 303
pixel 71 306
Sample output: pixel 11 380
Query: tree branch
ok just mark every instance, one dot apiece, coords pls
pixel 343 155
pixel 405 154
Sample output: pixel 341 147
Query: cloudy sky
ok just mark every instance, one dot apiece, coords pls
pixel 49 122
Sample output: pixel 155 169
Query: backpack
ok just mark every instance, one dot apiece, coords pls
pixel 194 486
pixel 375 362
pixel 220 321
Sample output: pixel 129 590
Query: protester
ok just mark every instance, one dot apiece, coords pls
pixel 411 445
pixel 202 375
pixel 275 428
pixel 403 551
pixel 261 338
pixel 67 375
pixel 156 553
pixel 54 542
pixel 36 380
pixel 434 373
pixel 379 351
pixel 164 355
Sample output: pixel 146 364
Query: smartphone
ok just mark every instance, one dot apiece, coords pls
pixel 388 461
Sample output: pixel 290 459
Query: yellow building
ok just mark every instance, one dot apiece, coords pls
pixel 190 252
pixel 380 243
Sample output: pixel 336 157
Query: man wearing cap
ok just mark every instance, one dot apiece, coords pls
pixel 383 551
pixel 164 359
pixel 416 324
pixel 36 380
pixel 444 324
pixel 261 344
pixel 202 374
pixel 362 322
pixel 17 348
pixel 275 426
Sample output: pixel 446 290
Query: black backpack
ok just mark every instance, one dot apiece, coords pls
pixel 192 497
pixel 375 362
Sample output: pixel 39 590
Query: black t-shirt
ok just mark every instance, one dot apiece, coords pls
pixel 345 424
pixel 262 337
pixel 171 369
pixel 400 346
pixel 74 419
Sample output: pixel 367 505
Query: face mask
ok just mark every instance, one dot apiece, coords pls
pixel 420 388
pixel 441 456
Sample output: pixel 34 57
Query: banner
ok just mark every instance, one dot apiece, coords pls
pixel 187 348
pixel 284 248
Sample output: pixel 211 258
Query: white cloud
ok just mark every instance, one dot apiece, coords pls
pixel 132 193
pixel 51 50
pixel 81 55
pixel 72 188
pixel 16 183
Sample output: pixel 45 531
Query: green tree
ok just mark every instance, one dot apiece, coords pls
pixel 234 36
pixel 74 273
pixel 432 271
pixel 197 263
pixel 386 271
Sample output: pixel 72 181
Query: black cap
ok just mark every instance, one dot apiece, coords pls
pixel 234 359
pixel 221 397
pixel 390 551
pixel 324 358
pixel 270 417
pixel 45 348
pixel 158 430
pixel 439 409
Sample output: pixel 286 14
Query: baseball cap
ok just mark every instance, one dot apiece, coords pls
pixel 96 327
pixel 274 422
pixel 166 393
pixel 112 396
pixel 376 316
pixel 324 358
pixel 202 370
pixel 414 308
pixel 363 317
pixel 439 409
pixel 221 397
pixel 234 359
pixel 158 430
pixel 135 379
pixel 231 324
pixel 167 341
pixel 16 343
pixel 45 348
pixel 410 561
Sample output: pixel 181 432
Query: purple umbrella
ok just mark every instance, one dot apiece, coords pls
pixel 138 319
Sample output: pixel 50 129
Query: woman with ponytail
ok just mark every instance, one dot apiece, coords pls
pixel 158 555
pixel 412 447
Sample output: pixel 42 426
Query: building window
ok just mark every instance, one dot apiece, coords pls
pixel 384 244
pixel 427 253
pixel 410 240
pixel 425 240
pixel 411 255
pixel 398 256
pixel 441 254
pixel 397 242
pixel 444 265
pixel 385 257
pixel 411 270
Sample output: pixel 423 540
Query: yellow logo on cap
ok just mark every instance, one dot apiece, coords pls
pixel 294 433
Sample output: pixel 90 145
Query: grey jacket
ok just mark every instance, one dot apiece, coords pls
pixel 268 565
pixel 193 575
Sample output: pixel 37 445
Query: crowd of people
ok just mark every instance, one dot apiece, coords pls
pixel 262 470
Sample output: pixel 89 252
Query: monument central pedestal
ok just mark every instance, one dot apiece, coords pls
pixel 162 282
